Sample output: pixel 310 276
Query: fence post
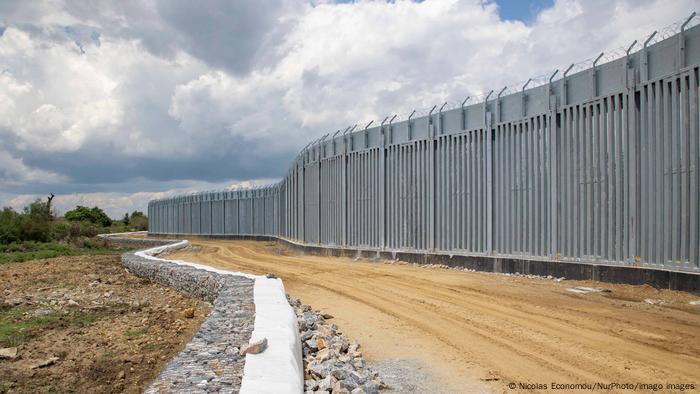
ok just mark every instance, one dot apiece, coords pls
pixel 431 182
pixel 553 168
pixel 489 177
pixel 633 132
pixel 382 185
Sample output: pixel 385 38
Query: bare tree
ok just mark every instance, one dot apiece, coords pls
pixel 48 203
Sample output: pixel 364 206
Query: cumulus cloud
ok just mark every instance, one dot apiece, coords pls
pixel 138 97
pixel 13 171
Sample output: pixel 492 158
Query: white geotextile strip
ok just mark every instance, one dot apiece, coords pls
pixel 279 368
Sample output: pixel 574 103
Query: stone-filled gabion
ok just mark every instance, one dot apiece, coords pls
pixel 133 243
pixel 210 362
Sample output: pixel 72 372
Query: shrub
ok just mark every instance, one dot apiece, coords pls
pixel 9 226
pixel 138 222
pixel 88 230
pixel 61 230
pixel 35 223
pixel 93 215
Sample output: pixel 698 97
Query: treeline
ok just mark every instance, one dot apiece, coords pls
pixel 37 223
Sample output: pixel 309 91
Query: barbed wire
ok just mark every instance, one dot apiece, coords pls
pixel 582 65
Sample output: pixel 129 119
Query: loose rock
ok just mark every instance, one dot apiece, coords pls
pixel 45 363
pixel 9 353
pixel 254 347
pixel 331 363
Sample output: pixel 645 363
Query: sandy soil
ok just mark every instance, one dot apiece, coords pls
pixel 481 332
pixel 101 329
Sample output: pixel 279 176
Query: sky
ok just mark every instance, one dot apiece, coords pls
pixel 116 103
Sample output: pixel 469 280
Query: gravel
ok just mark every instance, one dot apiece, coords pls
pixel 463 269
pixel 331 363
pixel 406 376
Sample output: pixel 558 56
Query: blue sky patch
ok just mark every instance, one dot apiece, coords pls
pixel 522 10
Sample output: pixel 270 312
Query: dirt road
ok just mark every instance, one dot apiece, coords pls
pixel 480 332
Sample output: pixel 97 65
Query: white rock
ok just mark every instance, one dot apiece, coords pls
pixel 8 353
pixel 254 347
pixel 583 290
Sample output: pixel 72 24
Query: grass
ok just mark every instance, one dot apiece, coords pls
pixel 136 333
pixel 31 250
pixel 152 346
pixel 82 319
pixel 16 328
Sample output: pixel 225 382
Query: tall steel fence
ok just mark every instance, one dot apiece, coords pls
pixel 600 165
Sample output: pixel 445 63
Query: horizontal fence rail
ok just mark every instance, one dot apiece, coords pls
pixel 600 166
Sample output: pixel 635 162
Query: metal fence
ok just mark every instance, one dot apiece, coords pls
pixel 597 166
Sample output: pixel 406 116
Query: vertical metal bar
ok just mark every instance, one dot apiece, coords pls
pixel 414 179
pixel 460 192
pixel 440 192
pixel 610 168
pixel 498 186
pixel 382 193
pixel 537 178
pixel 431 194
pixel 665 160
pixel 489 186
pixel 452 184
pixel 394 198
pixel 694 142
pixel 522 190
pixel 601 175
pixel 675 171
pixel 532 191
pixel 590 190
pixel 633 178
pixel 683 171
pixel 473 177
pixel 419 219
pixel 619 177
pixel 528 193
pixel 553 160
pixel 577 143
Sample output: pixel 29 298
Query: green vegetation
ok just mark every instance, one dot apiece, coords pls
pixel 33 224
pixel 32 250
pixel 34 233
pixel 18 326
pixel 92 215
pixel 137 221
pixel 152 346
pixel 136 333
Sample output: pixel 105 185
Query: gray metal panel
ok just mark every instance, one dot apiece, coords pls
pixel 217 217
pixel 231 216
pixel 196 218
